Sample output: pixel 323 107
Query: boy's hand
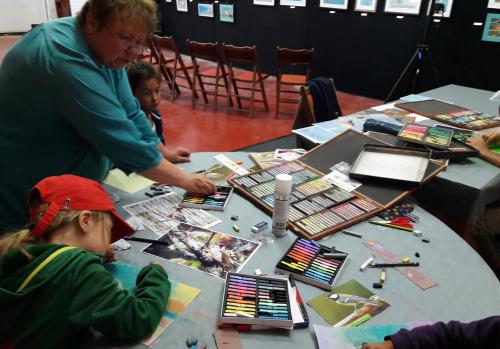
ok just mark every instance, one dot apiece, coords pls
pixel 198 183
pixel 382 345
pixel 177 155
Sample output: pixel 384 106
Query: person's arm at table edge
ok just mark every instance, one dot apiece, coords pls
pixel 168 173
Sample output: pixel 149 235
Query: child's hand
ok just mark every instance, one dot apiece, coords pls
pixel 492 138
pixel 479 144
pixel 382 345
pixel 177 155
pixel 198 183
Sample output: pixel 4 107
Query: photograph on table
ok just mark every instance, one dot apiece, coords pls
pixel 335 4
pixel 442 8
pixel 182 5
pixel 226 13
pixel 365 5
pixel 206 250
pixel 301 3
pixel 494 4
pixel 491 30
pixel 206 10
pixel 264 2
pixel 181 295
pixel 408 7
pixel 162 214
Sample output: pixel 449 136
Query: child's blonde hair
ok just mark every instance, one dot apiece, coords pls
pixel 19 240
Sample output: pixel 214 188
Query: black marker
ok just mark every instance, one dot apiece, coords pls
pixel 151 241
pixel 384 265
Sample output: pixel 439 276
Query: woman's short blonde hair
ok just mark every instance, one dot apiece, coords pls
pixel 102 10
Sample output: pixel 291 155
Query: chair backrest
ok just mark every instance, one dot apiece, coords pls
pixel 294 57
pixel 204 50
pixel 165 43
pixel 304 115
pixel 288 58
pixel 240 54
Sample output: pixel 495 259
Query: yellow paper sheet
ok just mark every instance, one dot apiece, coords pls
pixel 130 184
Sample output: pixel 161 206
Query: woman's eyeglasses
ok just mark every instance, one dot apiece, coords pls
pixel 128 43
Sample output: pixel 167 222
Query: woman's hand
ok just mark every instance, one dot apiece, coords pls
pixel 198 183
pixel 382 345
pixel 177 155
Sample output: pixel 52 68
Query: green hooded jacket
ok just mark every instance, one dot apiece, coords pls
pixel 71 294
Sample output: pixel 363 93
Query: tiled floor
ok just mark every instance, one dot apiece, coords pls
pixel 202 129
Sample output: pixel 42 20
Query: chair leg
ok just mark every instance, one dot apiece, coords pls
pixel 177 88
pixel 263 91
pixel 252 94
pixel 202 87
pixel 216 95
pixel 237 94
pixel 226 85
pixel 278 86
pixel 193 95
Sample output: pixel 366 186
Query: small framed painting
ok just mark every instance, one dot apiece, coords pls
pixel 264 2
pixel 405 7
pixel 491 30
pixel 206 10
pixel 336 4
pixel 365 5
pixel 226 13
pixel 442 8
pixel 182 5
pixel 494 4
pixel 300 3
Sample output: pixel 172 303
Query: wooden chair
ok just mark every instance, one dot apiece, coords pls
pixel 304 115
pixel 210 76
pixel 240 81
pixel 287 83
pixel 165 52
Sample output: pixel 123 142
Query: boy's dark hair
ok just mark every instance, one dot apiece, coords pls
pixel 140 71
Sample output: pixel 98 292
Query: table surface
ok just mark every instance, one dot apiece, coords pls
pixel 467 288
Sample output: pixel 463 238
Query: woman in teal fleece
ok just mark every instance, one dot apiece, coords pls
pixel 66 106
pixel 53 286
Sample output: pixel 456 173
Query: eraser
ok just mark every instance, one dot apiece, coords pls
pixel 377 285
pixel 257 228
pixel 236 228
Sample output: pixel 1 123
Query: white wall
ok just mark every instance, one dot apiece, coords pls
pixel 19 15
pixel 76 5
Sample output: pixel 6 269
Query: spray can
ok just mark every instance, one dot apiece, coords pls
pixel 283 189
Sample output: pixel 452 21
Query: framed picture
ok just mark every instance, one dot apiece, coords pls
pixel 226 13
pixel 300 3
pixel 337 4
pixel 442 8
pixel 494 4
pixel 407 7
pixel 206 10
pixel 365 5
pixel 182 5
pixel 264 2
pixel 492 28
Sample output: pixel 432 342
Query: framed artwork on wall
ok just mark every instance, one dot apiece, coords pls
pixel 226 13
pixel 407 7
pixel 365 5
pixel 491 30
pixel 182 5
pixel 300 3
pixel 442 8
pixel 206 10
pixel 336 4
pixel 264 2
pixel 494 4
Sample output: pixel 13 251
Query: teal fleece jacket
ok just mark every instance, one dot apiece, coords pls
pixel 71 294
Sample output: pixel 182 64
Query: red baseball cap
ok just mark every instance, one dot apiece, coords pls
pixel 70 192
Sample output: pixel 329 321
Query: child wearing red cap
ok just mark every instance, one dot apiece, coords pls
pixel 53 286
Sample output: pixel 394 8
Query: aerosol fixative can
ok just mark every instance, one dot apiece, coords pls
pixel 283 189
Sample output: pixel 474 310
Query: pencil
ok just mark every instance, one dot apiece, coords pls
pixel 151 241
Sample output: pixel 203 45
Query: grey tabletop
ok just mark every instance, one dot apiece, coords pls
pixel 467 288
pixel 467 187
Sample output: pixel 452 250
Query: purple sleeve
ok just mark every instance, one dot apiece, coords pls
pixel 483 333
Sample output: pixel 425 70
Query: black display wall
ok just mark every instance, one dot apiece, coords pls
pixel 365 55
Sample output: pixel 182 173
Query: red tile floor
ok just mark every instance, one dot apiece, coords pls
pixel 202 129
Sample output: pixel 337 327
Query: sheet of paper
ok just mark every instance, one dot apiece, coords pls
pixel 315 134
pixel 223 159
pixel 384 107
pixel 130 184
pixel 341 180
pixel 228 339
pixel 415 98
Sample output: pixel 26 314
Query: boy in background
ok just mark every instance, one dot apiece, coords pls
pixel 145 82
